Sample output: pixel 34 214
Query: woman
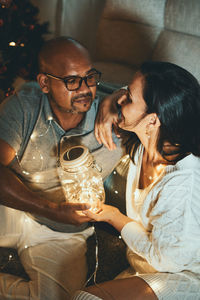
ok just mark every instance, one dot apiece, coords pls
pixel 161 112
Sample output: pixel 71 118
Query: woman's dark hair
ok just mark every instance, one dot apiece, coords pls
pixel 174 95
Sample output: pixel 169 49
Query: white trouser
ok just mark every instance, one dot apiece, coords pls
pixel 55 262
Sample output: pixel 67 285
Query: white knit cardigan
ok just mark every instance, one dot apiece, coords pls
pixel 165 233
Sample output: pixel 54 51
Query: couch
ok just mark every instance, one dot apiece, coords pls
pixel 120 35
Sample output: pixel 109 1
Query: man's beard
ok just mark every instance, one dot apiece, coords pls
pixel 74 100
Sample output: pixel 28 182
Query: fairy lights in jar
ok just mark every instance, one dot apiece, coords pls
pixel 80 177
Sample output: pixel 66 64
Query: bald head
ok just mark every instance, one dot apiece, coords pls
pixel 57 53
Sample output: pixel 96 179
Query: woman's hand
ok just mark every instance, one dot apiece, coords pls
pixel 111 215
pixel 107 118
pixel 106 214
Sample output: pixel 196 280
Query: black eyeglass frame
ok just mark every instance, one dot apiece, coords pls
pixel 65 79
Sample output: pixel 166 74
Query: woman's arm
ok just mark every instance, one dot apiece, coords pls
pixel 171 243
pixel 107 118
pixel 111 215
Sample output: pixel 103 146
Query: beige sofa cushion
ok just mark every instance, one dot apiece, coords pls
pixel 125 42
pixel 124 34
pixel 183 16
pixel 149 12
pixel 181 49
pixel 116 74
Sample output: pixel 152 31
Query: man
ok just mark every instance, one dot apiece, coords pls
pixel 36 124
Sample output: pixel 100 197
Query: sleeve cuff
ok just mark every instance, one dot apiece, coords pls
pixel 132 232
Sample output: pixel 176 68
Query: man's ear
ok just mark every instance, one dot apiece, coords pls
pixel 43 82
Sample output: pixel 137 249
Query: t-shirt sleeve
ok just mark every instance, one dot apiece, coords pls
pixel 11 122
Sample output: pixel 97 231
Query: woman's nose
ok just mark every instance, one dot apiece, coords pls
pixel 122 100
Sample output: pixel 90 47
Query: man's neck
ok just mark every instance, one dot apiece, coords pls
pixel 68 120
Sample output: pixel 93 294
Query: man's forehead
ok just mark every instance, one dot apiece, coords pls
pixel 75 69
pixel 71 65
pixel 76 73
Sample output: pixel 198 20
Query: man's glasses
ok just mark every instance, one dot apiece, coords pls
pixel 73 83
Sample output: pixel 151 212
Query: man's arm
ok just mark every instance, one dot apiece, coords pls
pixel 14 193
pixel 107 118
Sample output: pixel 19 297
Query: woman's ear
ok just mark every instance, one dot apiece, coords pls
pixel 154 121
pixel 43 82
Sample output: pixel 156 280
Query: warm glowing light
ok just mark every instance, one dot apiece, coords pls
pixel 33 136
pixel 22 44
pixel 37 177
pixel 116 192
pixel 12 44
pixel 26 173
pixel 124 158
pixel 95 180
pixel 136 193
pixel 82 182
pixel 27 220
pixel 159 167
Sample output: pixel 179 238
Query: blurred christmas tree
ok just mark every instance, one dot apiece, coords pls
pixel 21 37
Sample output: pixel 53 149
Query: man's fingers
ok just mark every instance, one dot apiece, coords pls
pixel 78 206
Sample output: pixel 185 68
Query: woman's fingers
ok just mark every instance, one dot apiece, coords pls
pixel 107 116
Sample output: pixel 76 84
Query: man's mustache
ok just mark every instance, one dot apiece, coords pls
pixel 81 96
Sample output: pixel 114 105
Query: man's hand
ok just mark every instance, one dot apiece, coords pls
pixel 107 118
pixel 71 213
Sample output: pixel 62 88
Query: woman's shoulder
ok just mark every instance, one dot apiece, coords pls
pixel 189 162
pixel 184 176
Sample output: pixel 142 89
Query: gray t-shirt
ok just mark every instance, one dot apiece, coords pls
pixel 28 126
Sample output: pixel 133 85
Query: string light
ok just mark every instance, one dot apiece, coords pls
pixel 12 44
pixel 85 191
pixel 33 136
pixel 37 155
pixel 10 258
pixel 37 177
pixel 158 170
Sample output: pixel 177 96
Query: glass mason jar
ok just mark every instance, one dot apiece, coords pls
pixel 80 177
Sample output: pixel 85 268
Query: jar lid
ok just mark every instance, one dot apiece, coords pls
pixel 74 156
